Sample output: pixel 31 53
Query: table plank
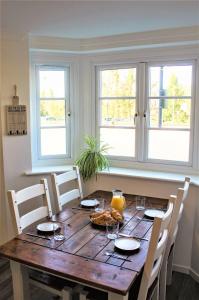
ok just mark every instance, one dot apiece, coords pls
pixel 74 243
pixel 94 246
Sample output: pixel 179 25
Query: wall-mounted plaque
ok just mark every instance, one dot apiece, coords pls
pixel 16 119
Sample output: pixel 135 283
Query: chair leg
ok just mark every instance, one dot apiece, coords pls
pixel 170 266
pixel 155 295
pixel 67 293
pixel 21 290
pixel 163 280
pixel 83 295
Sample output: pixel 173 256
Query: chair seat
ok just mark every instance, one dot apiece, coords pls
pixel 50 280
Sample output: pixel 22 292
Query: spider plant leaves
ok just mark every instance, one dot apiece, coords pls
pixel 93 158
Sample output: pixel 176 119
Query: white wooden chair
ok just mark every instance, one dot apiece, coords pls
pixel 27 194
pixel 58 180
pixel 166 271
pixel 36 278
pixel 157 246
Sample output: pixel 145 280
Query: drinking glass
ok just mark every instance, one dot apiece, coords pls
pixel 57 236
pixel 112 231
pixel 140 202
pixel 100 206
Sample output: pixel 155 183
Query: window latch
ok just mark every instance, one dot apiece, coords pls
pixel 145 117
pixel 135 116
pixel 69 114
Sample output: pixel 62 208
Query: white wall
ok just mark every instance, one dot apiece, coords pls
pixel 3 223
pixel 17 155
pixel 16 150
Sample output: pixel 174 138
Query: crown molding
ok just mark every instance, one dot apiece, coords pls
pixel 183 35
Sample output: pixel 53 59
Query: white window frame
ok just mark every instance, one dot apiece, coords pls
pixel 192 117
pixel 141 151
pixel 66 98
pixel 98 106
pixel 59 61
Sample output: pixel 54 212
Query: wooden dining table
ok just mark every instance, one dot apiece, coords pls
pixel 81 256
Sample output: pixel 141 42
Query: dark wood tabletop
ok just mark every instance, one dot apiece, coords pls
pixel 81 256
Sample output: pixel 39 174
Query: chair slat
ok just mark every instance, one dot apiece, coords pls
pixel 161 244
pixel 155 271
pixel 57 180
pixel 33 216
pixel 167 215
pixel 68 196
pixel 29 193
pixel 68 176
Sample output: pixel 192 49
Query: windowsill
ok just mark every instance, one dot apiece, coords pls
pixel 150 174
pixel 48 169
pixel 136 173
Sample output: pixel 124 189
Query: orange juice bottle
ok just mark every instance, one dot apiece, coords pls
pixel 118 201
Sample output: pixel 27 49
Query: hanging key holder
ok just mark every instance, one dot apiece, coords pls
pixel 16 116
pixel 15 98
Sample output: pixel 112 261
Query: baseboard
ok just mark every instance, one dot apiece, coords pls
pixel 186 270
pixel 194 275
pixel 181 269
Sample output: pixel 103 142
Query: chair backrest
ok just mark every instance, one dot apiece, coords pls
pixel 68 196
pixel 156 250
pixel 179 200
pixel 27 194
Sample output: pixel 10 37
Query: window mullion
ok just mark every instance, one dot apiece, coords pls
pixel 141 109
pixel 38 120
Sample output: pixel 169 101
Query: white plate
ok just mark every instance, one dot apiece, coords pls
pixel 47 227
pixel 127 244
pixel 90 202
pixel 152 213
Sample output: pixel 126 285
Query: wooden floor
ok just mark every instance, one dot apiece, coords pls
pixel 182 288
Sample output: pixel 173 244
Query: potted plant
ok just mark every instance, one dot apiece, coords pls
pixel 93 158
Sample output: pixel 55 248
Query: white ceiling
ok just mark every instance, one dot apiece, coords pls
pixel 85 19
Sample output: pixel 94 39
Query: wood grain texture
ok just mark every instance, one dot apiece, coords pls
pixel 183 287
pixel 81 256
pixel 69 266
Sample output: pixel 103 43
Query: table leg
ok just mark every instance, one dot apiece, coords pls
pixel 20 281
pixel 113 296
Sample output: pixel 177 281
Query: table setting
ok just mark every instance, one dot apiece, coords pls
pixel 111 219
pixel 114 217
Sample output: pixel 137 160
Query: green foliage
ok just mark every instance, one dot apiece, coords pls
pixel 120 112
pixel 92 159
pixel 119 83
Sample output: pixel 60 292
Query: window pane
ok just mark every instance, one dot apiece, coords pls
pixel 117 112
pixel 118 83
pixel 121 141
pixel 53 141
pixel 52 112
pixel 170 81
pixel 52 84
pixel 170 113
pixel 169 145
